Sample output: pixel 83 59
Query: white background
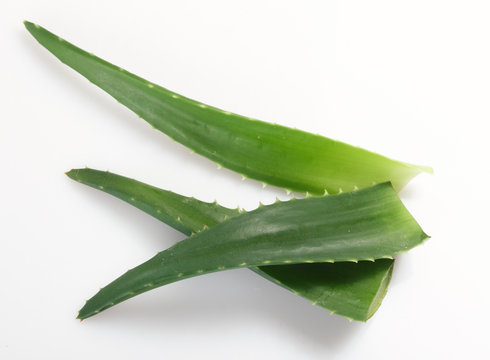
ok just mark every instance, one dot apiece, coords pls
pixel 408 79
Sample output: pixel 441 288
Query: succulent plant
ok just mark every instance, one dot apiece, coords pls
pixel 335 250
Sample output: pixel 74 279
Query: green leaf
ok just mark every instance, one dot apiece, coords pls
pixel 361 225
pixel 273 154
pixel 188 215
pixel 353 290
pixel 348 289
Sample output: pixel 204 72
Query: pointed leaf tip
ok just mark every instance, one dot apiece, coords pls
pixel 70 173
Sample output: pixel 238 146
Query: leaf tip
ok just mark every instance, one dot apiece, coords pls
pixel 427 169
pixel 424 237
pixel 72 174
pixel 28 23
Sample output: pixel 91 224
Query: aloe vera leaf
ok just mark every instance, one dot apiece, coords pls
pixel 348 289
pixel 353 290
pixel 365 224
pixel 308 162
pixel 188 215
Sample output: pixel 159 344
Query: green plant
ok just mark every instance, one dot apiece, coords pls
pixel 309 163
pixel 278 241
pixel 362 225
pixel 353 290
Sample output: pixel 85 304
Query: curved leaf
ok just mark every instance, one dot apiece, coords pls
pixel 366 224
pixel 348 289
pixel 308 162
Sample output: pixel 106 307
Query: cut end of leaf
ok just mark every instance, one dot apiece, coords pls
pixel 382 290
